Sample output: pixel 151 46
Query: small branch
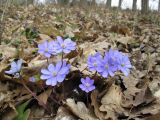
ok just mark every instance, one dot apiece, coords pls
pixel 34 95
pixel 4 10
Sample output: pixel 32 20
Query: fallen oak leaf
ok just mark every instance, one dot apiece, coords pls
pixel 145 96
pixel 64 114
pixel 96 105
pixel 43 97
pixel 80 110
pixel 111 103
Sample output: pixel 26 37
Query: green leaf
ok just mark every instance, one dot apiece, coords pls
pixel 23 114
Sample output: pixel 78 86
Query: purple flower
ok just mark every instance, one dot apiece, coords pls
pixel 107 66
pixel 124 64
pixel 15 68
pixel 65 46
pixel 32 79
pixel 113 57
pixel 46 48
pixel 55 73
pixel 87 84
pixel 94 61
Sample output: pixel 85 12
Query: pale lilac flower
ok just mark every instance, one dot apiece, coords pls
pixel 107 66
pixel 124 64
pixel 46 49
pixel 55 73
pixel 15 68
pixel 32 79
pixel 94 61
pixel 65 46
pixel 87 84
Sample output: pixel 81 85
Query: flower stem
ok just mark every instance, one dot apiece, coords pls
pixel 63 92
pixel 62 58
pixel 87 99
pixel 34 95
pixel 95 74
pixel 47 61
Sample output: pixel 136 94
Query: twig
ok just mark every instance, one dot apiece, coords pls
pixel 34 95
pixel 4 10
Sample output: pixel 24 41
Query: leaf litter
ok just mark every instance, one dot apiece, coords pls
pixel 132 98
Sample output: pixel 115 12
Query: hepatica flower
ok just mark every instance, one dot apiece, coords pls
pixel 107 66
pixel 65 46
pixel 32 79
pixel 112 61
pixel 46 49
pixel 124 64
pixel 94 61
pixel 87 84
pixel 15 68
pixel 55 73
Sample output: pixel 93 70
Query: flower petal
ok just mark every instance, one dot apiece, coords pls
pixel 19 64
pixel 46 54
pixel 60 78
pixel 59 39
pixel 64 70
pixel 51 67
pixel 46 72
pixel 49 82
pixel 45 76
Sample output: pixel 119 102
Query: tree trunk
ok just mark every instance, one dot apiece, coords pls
pixel 145 6
pixel 93 2
pixel 108 3
pixel 63 2
pixel 120 4
pixel 134 5
pixel 159 6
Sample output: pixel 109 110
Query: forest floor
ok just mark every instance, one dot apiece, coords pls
pixel 135 97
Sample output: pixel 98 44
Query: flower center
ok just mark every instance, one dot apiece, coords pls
pixel 95 64
pixel 54 74
pixel 106 66
pixel 46 50
pixel 122 65
pixel 87 84
pixel 63 45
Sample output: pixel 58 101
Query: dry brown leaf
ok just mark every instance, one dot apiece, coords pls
pixel 8 52
pixel 3 87
pixel 154 117
pixel 96 105
pixel 64 114
pixel 69 31
pixel 43 97
pixel 111 103
pixel 10 115
pixel 130 83
pixel 44 37
pixel 143 97
pixel 80 110
pixel 125 40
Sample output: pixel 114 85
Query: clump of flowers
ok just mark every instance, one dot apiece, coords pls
pixel 63 46
pixel 55 73
pixel 111 62
pixel 15 68
pixel 87 85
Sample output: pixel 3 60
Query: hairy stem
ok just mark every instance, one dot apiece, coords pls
pixel 34 95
